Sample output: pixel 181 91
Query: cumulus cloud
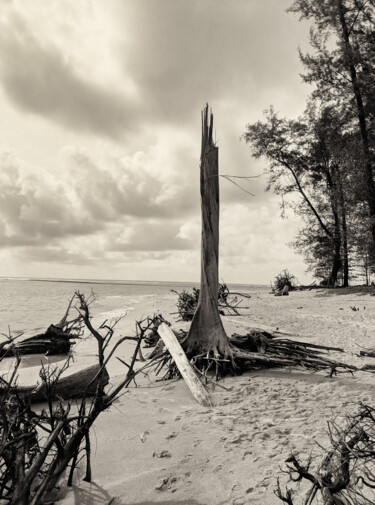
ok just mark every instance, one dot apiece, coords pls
pixel 110 210
pixel 124 196
pixel 34 207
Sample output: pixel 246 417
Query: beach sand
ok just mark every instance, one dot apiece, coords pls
pixel 157 445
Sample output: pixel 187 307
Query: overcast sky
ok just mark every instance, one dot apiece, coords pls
pixel 100 135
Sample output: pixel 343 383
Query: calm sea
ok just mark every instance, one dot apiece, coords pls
pixel 30 304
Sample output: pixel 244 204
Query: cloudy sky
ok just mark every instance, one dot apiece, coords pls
pixel 100 135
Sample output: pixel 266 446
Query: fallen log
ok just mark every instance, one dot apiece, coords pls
pixel 69 385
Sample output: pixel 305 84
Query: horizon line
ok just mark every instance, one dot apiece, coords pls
pixel 119 281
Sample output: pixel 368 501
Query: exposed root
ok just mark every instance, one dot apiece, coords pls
pixel 245 352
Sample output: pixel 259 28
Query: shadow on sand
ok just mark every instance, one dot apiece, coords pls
pixel 352 290
pixel 93 494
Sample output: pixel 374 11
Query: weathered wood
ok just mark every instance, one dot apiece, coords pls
pixel 194 384
pixel 206 331
pixel 53 341
pixel 73 385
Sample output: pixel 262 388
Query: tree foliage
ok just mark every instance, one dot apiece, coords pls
pixel 321 164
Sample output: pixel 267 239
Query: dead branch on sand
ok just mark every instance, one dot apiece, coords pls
pixel 346 475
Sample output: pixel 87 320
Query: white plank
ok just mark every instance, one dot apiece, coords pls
pixel 194 384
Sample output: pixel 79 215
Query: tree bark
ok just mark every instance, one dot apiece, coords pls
pixel 344 229
pixel 207 332
pixel 336 263
pixel 332 184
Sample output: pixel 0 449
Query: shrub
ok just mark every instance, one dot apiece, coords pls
pixel 284 278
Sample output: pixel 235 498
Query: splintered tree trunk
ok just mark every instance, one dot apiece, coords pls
pixel 207 332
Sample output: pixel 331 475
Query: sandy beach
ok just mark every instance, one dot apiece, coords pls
pixel 157 445
pixel 153 147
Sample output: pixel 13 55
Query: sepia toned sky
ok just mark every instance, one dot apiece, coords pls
pixel 100 135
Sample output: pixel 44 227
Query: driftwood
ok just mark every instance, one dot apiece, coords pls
pixel 196 387
pixel 283 292
pixel 53 341
pixel 257 349
pixel 261 349
pixel 75 385
pixel 57 339
pixel 370 354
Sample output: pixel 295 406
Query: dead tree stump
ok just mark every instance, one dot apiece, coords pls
pixel 207 332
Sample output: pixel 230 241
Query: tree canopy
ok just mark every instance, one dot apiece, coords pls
pixel 322 163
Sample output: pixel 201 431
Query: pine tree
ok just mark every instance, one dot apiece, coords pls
pixel 342 68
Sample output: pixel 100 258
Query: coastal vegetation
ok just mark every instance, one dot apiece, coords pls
pixel 322 164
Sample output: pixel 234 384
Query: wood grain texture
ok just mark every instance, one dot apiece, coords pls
pixel 194 384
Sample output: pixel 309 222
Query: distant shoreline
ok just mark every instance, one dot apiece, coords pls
pixel 119 283
pixel 124 282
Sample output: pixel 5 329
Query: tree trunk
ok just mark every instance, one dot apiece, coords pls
pixel 207 332
pixel 336 266
pixel 332 184
pixel 345 253
pixel 366 270
pixel 336 263
pixel 344 230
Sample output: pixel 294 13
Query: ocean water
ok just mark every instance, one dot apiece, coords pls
pixel 30 305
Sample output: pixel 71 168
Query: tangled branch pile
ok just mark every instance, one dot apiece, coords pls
pixel 37 446
pixel 346 475
pixel 285 279
pixel 229 302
